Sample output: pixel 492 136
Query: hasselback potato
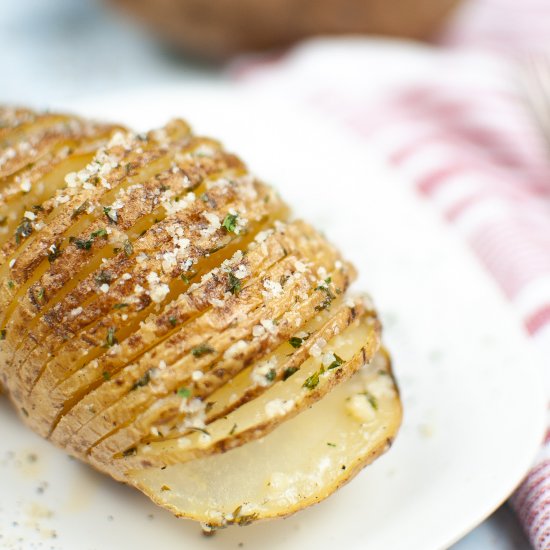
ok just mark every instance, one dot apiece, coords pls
pixel 166 321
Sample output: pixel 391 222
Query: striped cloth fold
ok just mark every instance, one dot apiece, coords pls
pixel 453 120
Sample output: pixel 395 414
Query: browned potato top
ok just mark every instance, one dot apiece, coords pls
pixel 153 292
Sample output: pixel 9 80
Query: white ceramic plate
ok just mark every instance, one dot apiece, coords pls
pixel 472 388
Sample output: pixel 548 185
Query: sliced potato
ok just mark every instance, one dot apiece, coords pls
pixel 257 263
pixel 300 463
pixel 173 363
pixel 337 361
pixel 115 283
pixel 162 320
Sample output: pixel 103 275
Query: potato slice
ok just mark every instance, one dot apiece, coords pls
pixel 148 231
pixel 299 464
pixel 161 320
pixel 127 161
pixel 12 119
pixel 29 188
pixel 33 140
pixel 76 208
pixel 287 359
pixel 84 328
pixel 263 254
pixel 337 361
pixel 169 416
pixel 219 328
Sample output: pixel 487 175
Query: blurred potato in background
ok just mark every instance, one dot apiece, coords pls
pixel 219 29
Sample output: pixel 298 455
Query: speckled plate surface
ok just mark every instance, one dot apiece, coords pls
pixel 471 385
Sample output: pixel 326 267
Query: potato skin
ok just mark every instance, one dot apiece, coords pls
pixel 345 433
pixel 153 290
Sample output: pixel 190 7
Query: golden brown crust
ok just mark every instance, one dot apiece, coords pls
pixel 156 243
pixel 218 329
pixel 155 290
pixel 171 453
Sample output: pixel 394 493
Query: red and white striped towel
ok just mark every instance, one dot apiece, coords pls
pixel 451 117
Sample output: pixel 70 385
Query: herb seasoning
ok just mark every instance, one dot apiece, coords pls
pixel 202 349
pixel 234 284
pixel 230 222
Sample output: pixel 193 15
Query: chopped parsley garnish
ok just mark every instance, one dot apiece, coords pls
pixel 24 229
pixel 81 244
pixel 106 375
pixel 331 444
pixel 120 306
pixel 143 381
pixel 233 429
pixel 11 284
pixel 3 334
pixel 230 222
pixel 112 215
pixel 54 252
pixel 184 393
pixel 99 233
pixel 324 286
pixel 103 277
pixel 371 399
pixel 128 248
pixel 336 363
pixel 289 371
pixel 202 349
pixel 40 294
pixel 82 208
pixel 296 342
pixel 234 284
pixel 243 519
pixel 173 321
pixel 187 278
pixel 313 381
pixel 111 340
pixel 130 452
pixel 270 376
pixel 325 304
